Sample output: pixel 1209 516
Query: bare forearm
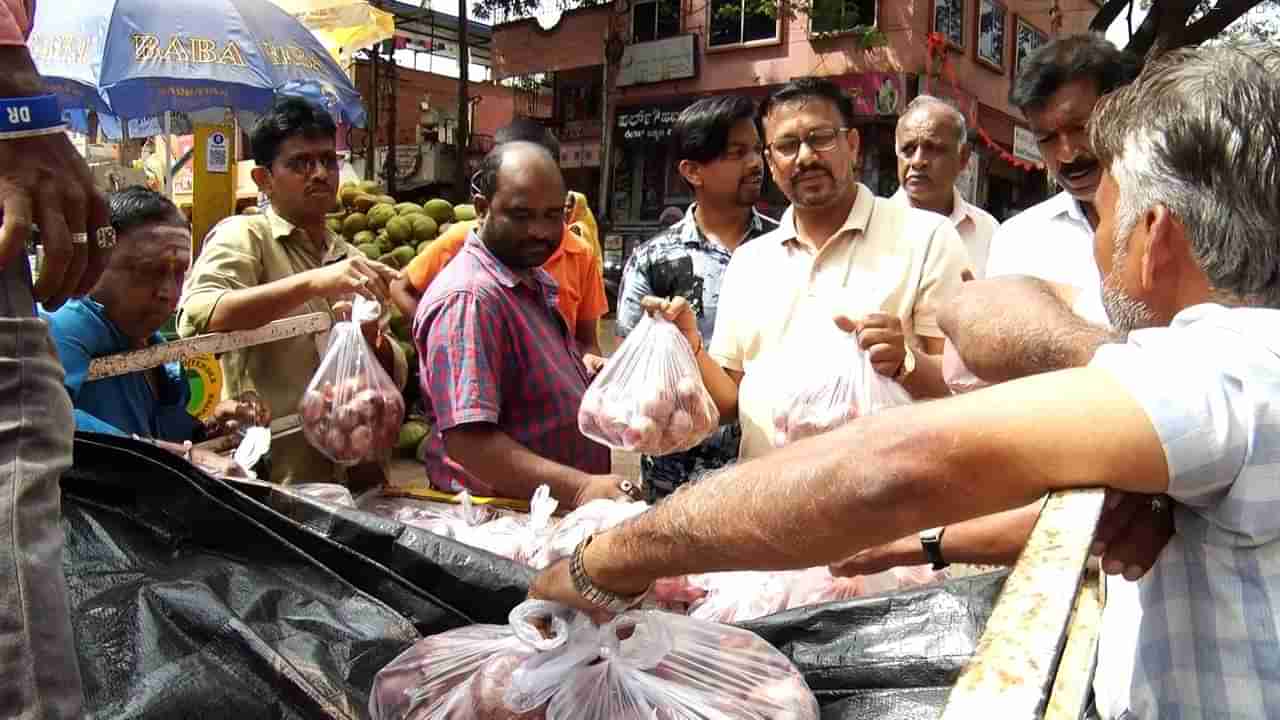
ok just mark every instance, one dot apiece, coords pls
pixel 1012 327
pixel 992 540
pixel 722 385
pixel 857 487
pixel 256 306
pixel 510 468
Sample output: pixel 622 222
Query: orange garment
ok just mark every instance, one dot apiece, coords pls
pixel 573 266
pixel 427 265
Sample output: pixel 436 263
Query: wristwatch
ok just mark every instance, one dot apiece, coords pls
pixel 908 365
pixel 931 541
pixel 603 599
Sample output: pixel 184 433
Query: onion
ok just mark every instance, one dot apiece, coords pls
pixel 688 389
pixel 361 442
pixel 336 442
pixel 313 406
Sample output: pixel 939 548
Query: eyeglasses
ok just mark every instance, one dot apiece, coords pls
pixel 820 140
pixel 306 164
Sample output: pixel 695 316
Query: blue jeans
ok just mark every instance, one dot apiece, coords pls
pixel 40 677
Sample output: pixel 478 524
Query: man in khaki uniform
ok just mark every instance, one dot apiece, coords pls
pixel 838 251
pixel 260 268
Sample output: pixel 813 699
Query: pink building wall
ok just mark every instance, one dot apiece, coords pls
pixel 521 48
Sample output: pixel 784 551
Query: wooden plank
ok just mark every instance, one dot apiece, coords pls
pixel 280 427
pixel 1074 679
pixel 213 343
pixel 1013 668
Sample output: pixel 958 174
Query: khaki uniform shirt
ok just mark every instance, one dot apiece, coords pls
pixel 778 297
pixel 246 251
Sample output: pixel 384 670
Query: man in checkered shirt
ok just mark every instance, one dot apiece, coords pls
pixel 1180 401
pixel 500 370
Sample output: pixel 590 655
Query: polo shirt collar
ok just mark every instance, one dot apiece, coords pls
pixel 282 229
pixel 505 276
pixel 858 220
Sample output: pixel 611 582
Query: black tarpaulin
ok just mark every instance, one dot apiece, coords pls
pixel 194 597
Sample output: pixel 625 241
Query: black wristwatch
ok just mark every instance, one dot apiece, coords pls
pixel 931 541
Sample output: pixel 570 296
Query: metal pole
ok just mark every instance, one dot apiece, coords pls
pixel 464 63
pixel 371 140
pixel 606 152
pixel 390 164
pixel 168 161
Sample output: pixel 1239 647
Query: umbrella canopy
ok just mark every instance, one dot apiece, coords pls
pixel 343 26
pixel 142 58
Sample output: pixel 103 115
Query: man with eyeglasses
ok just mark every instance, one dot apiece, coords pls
pixel 839 257
pixel 719 155
pixel 255 269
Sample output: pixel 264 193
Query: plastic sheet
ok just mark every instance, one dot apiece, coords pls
pixel 193 596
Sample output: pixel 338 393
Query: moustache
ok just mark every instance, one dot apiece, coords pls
pixel 753 179
pixel 1078 166
pixel 811 170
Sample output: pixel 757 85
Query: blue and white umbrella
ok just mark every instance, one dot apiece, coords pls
pixel 139 59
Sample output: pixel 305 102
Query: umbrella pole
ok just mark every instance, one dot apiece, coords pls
pixel 168 160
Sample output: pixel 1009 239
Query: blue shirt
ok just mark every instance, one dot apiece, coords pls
pixel 1209 636
pixel 124 404
pixel 681 260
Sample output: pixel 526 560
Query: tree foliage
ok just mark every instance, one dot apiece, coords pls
pixel 1171 24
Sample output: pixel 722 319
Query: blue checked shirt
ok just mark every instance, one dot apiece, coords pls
pixel 682 261
pixel 1209 639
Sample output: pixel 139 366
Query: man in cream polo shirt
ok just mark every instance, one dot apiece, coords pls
pixel 840 251
pixel 932 146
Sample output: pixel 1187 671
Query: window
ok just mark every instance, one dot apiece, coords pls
pixel 733 22
pixel 829 17
pixel 655 20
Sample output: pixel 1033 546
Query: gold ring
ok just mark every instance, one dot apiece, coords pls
pixel 79 238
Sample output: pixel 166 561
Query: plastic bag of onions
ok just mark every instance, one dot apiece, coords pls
pixel 649 397
pixel 827 384
pixel 352 410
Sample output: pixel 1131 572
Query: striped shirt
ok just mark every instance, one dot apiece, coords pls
pixel 494 349
pixel 1209 639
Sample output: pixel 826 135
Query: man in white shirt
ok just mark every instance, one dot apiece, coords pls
pixel 1057 89
pixel 838 251
pixel 932 147
pixel 1180 401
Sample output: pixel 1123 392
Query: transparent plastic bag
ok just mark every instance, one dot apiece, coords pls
pixel 589 519
pixel 649 398
pixel 739 596
pixel 820 396
pixel 817 585
pixel 352 411
pixel 329 493
pixel 515 537
pixel 464 674
pixel 646 665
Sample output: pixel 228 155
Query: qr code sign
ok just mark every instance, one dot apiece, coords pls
pixel 216 156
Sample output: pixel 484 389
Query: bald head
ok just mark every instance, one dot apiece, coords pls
pixel 940 112
pixel 932 150
pixel 521 195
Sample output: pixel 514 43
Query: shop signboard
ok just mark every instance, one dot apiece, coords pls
pixel 658 61
pixel 645 125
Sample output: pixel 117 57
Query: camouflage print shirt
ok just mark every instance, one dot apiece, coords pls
pixel 682 261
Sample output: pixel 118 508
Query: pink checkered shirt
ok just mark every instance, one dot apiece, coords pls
pixel 493 349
